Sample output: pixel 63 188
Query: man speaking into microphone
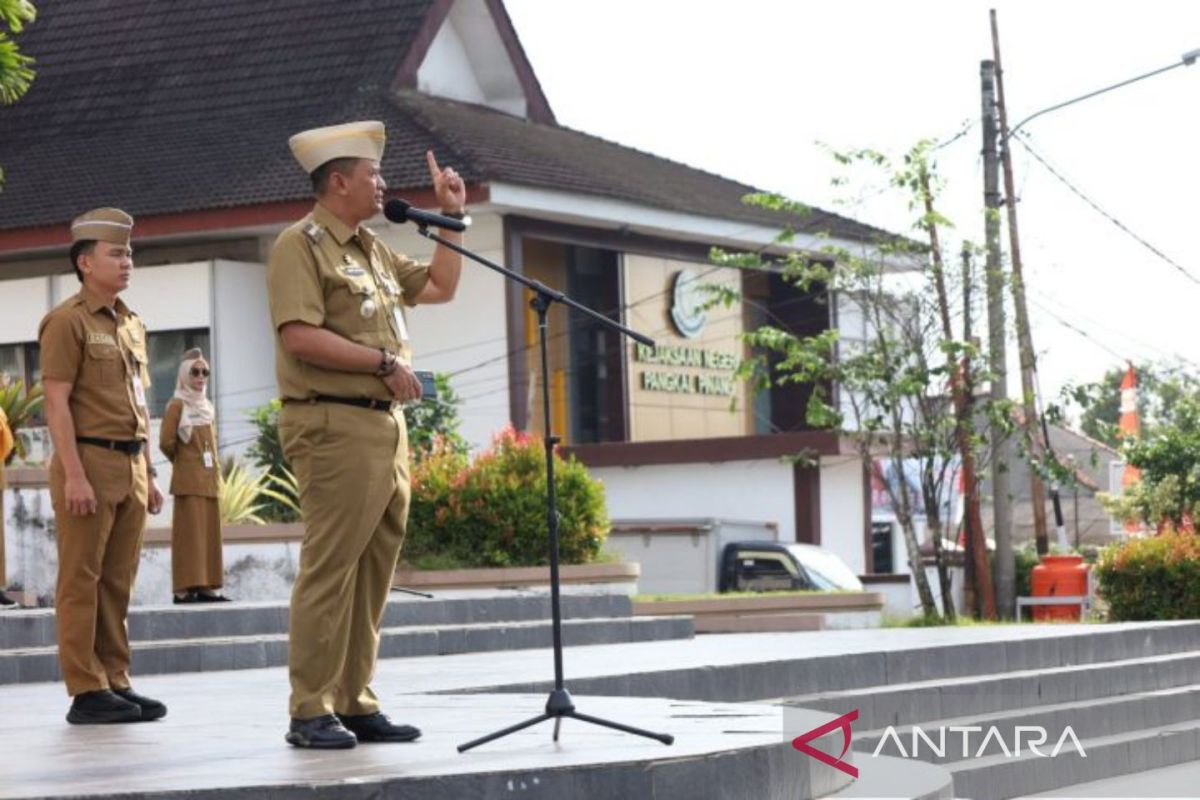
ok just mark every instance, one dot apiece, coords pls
pixel 343 364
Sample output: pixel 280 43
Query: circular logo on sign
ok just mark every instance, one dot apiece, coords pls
pixel 687 304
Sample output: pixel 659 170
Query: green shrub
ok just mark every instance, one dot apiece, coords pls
pixel 1152 578
pixel 1026 558
pixel 491 512
pixel 435 421
pixel 267 454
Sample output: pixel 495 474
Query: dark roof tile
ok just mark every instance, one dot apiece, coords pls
pixel 178 107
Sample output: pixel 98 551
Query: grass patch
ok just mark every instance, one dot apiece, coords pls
pixel 890 621
pixel 443 561
pixel 659 598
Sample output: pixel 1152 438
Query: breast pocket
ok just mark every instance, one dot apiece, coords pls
pixel 103 363
pixel 360 307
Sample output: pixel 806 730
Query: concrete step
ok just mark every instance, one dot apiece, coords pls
pixel 35 627
pixel 899 778
pixel 36 664
pixel 878 670
pixel 1086 718
pixel 1000 777
pixel 906 703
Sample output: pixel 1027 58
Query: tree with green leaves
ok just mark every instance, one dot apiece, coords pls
pixel 891 392
pixel 1160 388
pixel 16 68
pixel 1168 455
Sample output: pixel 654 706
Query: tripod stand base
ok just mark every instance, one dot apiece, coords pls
pixel 558 706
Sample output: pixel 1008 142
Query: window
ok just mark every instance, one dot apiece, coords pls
pixel 166 350
pixel 597 393
pixel 22 362
pixel 764 572
pixel 772 299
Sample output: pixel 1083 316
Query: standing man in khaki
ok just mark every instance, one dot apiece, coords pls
pixel 94 370
pixel 342 359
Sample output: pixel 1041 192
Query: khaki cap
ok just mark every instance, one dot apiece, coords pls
pixel 350 140
pixel 103 225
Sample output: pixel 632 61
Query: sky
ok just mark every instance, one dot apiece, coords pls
pixel 755 90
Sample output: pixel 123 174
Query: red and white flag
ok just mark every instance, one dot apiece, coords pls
pixel 1130 425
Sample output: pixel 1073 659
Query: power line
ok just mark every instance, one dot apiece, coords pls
pixel 1145 346
pixel 1078 330
pixel 1096 207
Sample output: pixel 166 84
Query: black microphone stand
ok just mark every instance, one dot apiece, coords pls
pixel 559 704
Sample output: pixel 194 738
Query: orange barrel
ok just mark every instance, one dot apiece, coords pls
pixel 1059 575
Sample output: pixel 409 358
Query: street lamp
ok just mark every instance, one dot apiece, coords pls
pixel 1186 60
pixel 1024 339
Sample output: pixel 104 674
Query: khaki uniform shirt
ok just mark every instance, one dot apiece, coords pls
pixel 324 274
pixel 192 472
pixel 102 353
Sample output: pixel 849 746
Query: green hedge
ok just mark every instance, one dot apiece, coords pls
pixel 491 512
pixel 1152 578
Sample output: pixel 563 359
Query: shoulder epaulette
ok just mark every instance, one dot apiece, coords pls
pixel 314 232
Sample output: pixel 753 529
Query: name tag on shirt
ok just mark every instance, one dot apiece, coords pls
pixel 208 459
pixel 139 391
pixel 401 328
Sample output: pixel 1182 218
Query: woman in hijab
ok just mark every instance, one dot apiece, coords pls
pixel 189 441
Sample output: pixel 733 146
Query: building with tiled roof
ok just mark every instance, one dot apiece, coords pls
pixel 180 113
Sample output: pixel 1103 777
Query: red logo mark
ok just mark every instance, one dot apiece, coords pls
pixel 801 743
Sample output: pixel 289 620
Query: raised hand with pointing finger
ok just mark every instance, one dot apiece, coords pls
pixel 447 185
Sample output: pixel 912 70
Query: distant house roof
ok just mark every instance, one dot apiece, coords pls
pixel 170 108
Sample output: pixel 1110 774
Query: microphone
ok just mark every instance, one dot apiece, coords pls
pixel 397 210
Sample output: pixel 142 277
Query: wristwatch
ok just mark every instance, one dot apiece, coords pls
pixel 387 363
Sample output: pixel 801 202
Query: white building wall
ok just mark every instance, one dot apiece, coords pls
pixel 243 356
pixel 169 297
pixel 468 337
pixel 754 491
pixel 165 297
pixel 468 61
pixel 842 510
pixel 447 71
pixel 24 303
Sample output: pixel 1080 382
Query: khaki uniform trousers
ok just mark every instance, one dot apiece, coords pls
pixel 97 563
pixel 352 467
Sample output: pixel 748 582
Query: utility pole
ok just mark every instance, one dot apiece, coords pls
pixel 997 350
pixel 1024 338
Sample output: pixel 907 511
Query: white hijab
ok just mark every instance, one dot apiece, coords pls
pixel 197 410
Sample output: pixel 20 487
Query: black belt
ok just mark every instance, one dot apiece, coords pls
pixel 360 402
pixel 130 448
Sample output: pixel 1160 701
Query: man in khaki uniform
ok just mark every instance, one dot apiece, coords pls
pixel 94 370
pixel 343 365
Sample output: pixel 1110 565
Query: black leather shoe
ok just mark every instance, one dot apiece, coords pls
pixel 5 600
pixel 378 728
pixel 102 707
pixel 151 709
pixel 320 733
pixel 187 597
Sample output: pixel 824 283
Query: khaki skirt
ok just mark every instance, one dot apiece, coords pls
pixel 196 544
